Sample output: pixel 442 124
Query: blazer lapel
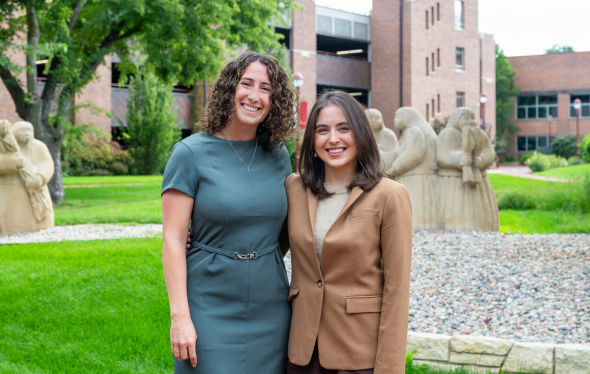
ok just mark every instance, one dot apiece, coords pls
pixel 354 194
pixel 312 205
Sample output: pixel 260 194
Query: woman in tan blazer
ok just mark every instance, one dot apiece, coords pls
pixel 350 233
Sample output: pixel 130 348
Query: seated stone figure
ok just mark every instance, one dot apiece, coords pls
pixel 386 138
pixel 25 168
pixel 464 152
pixel 413 164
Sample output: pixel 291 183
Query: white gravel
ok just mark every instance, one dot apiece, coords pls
pixel 523 287
pixel 83 232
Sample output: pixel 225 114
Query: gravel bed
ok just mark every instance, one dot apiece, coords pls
pixel 522 287
pixel 83 232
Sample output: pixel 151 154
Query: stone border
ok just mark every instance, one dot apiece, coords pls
pixel 494 355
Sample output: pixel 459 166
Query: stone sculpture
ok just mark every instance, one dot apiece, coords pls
pixel 464 152
pixel 413 164
pixel 386 138
pixel 25 168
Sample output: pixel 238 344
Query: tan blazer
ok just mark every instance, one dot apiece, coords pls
pixel 357 312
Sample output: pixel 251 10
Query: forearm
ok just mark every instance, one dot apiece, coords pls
pixel 174 263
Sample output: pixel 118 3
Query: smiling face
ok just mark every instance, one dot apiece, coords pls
pixel 334 140
pixel 252 99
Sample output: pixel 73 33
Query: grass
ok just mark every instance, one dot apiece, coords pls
pixel 123 179
pixel 118 203
pixel 568 172
pixel 84 307
pixel 543 222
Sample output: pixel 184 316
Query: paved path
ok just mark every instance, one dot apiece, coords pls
pixel 523 172
pixel 523 287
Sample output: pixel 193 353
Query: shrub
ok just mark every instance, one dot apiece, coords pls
pixel 85 151
pixel 542 162
pixel 564 146
pixel 509 158
pixel 151 124
pixel 585 148
pixel 575 160
pixel 414 369
pixel 522 158
pixel 516 201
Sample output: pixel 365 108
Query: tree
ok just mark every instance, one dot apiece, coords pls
pixel 564 146
pixel 151 124
pixel 560 49
pixel 181 40
pixel 505 94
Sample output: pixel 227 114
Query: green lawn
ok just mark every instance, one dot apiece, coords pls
pixel 84 307
pixel 123 179
pixel 543 222
pixel 568 172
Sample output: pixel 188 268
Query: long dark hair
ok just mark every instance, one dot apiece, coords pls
pixel 279 124
pixel 368 172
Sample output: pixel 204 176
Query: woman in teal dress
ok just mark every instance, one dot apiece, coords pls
pixel 229 292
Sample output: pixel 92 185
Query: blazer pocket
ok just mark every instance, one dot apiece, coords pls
pixel 364 213
pixel 293 291
pixel 363 304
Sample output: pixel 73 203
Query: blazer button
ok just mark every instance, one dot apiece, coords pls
pixel 320 284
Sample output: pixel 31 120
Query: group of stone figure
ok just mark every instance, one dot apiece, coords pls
pixel 446 174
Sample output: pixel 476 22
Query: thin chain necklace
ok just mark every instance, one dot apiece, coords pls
pixel 232 147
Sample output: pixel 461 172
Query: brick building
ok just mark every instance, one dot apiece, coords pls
pixel 427 54
pixel 548 85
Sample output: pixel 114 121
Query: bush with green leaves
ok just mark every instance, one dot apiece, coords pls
pixel 575 160
pixel 509 158
pixel 585 148
pixel 522 158
pixel 85 151
pixel 564 146
pixel 151 129
pixel 542 162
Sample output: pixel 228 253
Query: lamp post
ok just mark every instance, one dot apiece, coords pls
pixel 577 107
pixel 297 82
pixel 550 118
pixel 483 99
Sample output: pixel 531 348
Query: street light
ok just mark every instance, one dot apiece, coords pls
pixel 483 99
pixel 550 118
pixel 577 107
pixel 297 82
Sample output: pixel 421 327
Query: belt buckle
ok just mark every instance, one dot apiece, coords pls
pixel 250 256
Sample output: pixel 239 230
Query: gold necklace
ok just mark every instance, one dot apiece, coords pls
pixel 232 147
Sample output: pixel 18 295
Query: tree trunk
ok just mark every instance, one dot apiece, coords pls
pixel 56 185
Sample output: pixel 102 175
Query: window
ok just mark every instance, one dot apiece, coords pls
pixel 536 107
pixel 438 12
pixel 427 67
pixel 585 110
pixel 459 15
pixel 460 99
pixel 427 113
pixel 343 27
pixel 438 57
pixel 361 31
pixel 433 114
pixel 427 23
pixel 530 143
pixel 460 59
pixel 432 15
pixel 325 24
pixel 433 62
pixel 438 103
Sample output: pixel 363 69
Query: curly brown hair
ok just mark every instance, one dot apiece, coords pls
pixel 278 126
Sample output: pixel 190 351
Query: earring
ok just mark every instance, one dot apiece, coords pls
pixel 315 154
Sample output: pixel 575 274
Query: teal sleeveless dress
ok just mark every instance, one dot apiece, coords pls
pixel 236 279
